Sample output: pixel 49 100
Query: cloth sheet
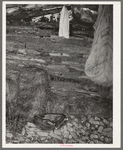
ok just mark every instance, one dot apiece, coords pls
pixel 64 23
pixel 99 65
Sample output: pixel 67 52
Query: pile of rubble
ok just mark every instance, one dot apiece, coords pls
pixel 84 130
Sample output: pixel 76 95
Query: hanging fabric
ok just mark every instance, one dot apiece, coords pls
pixel 99 65
pixel 64 23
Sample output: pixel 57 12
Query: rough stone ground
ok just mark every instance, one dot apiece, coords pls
pixel 85 129
pixel 90 117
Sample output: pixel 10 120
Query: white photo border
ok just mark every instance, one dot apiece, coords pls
pixel 116 76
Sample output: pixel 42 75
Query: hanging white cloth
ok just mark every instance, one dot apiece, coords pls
pixel 64 23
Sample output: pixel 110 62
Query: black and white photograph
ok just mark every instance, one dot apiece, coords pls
pixel 61 74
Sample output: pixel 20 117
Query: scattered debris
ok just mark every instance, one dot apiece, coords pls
pixel 73 132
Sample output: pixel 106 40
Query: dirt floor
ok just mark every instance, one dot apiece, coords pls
pixel 64 60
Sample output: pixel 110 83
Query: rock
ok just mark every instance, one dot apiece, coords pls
pixel 43 138
pixel 85 138
pixel 75 124
pixel 29 124
pixel 59 141
pixel 107 129
pixel 83 119
pixel 66 134
pixel 110 134
pixel 9 135
pixel 97 118
pixel 88 125
pixel 74 135
pixel 83 131
pixel 39 140
pixel 64 140
pixel 80 126
pixel 85 128
pixel 52 140
pixel 35 142
pixel 99 142
pixel 92 121
pixel 110 140
pixel 100 129
pixel 72 117
pixel 30 83
pixel 105 122
pixel 101 138
pixel 62 130
pixel 48 137
pixel 31 134
pixel 27 140
pixel 69 124
pixel 78 132
pixel 34 89
pixel 92 128
pixel 7 131
pixel 16 141
pixel 70 129
pixel 111 124
pixel 46 141
pixel 23 131
pixel 76 120
pixel 87 133
pixel 95 141
pixel 21 139
pixel 26 127
pixel 104 133
pixel 65 128
pixel 106 140
pixel 96 126
pixel 31 129
pixel 70 136
pixel 99 134
pixel 82 142
pixel 57 132
pixel 91 142
pixel 89 117
pixel 94 136
pixel 101 123
pixel 55 136
pixel 41 133
pixel 75 141
pixel 70 141
pixel 95 132
pixel 74 128
pixel 36 130
pixel 27 130
pixel 82 116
